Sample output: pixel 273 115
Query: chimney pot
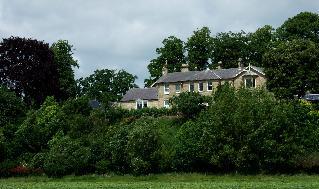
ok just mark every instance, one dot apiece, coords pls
pixel 165 69
pixel 219 65
pixel 184 68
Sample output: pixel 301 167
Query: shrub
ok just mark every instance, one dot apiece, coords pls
pixel 40 126
pixel 143 142
pixel 66 156
pixel 189 104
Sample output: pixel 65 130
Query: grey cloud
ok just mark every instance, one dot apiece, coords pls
pixel 124 34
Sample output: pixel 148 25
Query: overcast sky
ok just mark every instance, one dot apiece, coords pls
pixel 123 34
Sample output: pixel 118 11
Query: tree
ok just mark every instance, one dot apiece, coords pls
pixel 199 47
pixel 63 58
pixel 304 25
pixel 259 43
pixel 106 85
pixel 292 68
pixel 11 107
pixel 189 104
pixel 27 67
pixel 228 48
pixel 171 53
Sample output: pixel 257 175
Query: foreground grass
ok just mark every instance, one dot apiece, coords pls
pixel 169 181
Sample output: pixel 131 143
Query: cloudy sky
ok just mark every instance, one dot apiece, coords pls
pixel 123 34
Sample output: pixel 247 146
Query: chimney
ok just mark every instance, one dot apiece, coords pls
pixel 240 64
pixel 165 69
pixel 219 65
pixel 184 68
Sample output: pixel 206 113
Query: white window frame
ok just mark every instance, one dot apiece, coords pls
pixel 254 80
pixel 166 89
pixel 180 87
pixel 166 105
pixel 189 87
pixel 208 85
pixel 200 82
pixel 142 101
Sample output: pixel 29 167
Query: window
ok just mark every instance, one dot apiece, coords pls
pixel 209 86
pixel 141 104
pixel 166 88
pixel 200 87
pixel 145 102
pixel 166 103
pixel 191 87
pixel 250 82
pixel 178 88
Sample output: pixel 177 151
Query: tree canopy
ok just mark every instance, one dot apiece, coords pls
pixel 27 67
pixel 293 68
pixel 199 47
pixel 304 25
pixel 172 54
pixel 106 85
pixel 228 48
pixel 63 58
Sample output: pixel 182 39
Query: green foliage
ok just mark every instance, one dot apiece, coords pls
pixel 28 69
pixel 172 54
pixel 228 48
pixel 258 134
pixel 260 42
pixel 199 48
pixel 40 125
pixel 11 107
pixel 63 58
pixel 189 104
pixel 292 68
pixel 106 85
pixel 142 144
pixel 66 156
pixel 304 25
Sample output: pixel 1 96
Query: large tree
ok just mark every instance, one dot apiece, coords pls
pixel 260 42
pixel 228 48
pixel 199 47
pixel 106 85
pixel 171 53
pixel 292 68
pixel 304 25
pixel 63 58
pixel 27 67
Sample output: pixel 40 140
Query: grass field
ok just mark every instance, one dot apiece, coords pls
pixel 192 181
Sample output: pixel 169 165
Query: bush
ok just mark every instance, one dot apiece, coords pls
pixel 189 104
pixel 143 142
pixel 66 156
pixel 40 126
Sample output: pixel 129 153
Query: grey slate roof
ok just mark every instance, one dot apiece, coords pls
pixel 207 74
pixel 311 97
pixel 140 93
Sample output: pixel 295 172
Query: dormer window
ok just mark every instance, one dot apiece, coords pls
pixel 250 82
pixel 166 88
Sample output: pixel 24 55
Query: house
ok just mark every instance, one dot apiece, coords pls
pixel 204 82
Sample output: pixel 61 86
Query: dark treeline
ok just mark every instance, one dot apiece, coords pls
pixel 48 126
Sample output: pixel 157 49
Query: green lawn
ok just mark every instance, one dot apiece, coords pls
pixel 192 181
